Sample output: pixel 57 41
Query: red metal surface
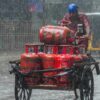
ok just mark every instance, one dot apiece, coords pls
pixel 52 57
pixel 64 61
pixel 54 34
pixel 28 62
pixel 35 48
pixel 57 61
pixel 48 61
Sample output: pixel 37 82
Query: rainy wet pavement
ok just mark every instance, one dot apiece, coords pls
pixel 7 84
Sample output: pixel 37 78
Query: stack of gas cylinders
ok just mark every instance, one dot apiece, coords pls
pixel 54 53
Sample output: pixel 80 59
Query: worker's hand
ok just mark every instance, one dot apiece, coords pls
pixel 65 23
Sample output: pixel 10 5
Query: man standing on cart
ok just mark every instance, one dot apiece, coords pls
pixel 78 23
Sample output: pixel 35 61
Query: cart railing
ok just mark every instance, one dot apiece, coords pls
pixel 15 69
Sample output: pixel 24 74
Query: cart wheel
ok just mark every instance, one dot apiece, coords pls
pixel 87 85
pixel 21 92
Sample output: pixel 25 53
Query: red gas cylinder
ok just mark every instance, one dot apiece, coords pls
pixel 66 61
pixel 48 61
pixel 54 34
pixel 58 61
pixel 28 62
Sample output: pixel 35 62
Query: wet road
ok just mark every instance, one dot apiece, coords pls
pixel 7 84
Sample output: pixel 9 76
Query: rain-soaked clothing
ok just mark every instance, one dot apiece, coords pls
pixel 72 23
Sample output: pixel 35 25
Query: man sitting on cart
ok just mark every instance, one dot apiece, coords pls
pixel 78 23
